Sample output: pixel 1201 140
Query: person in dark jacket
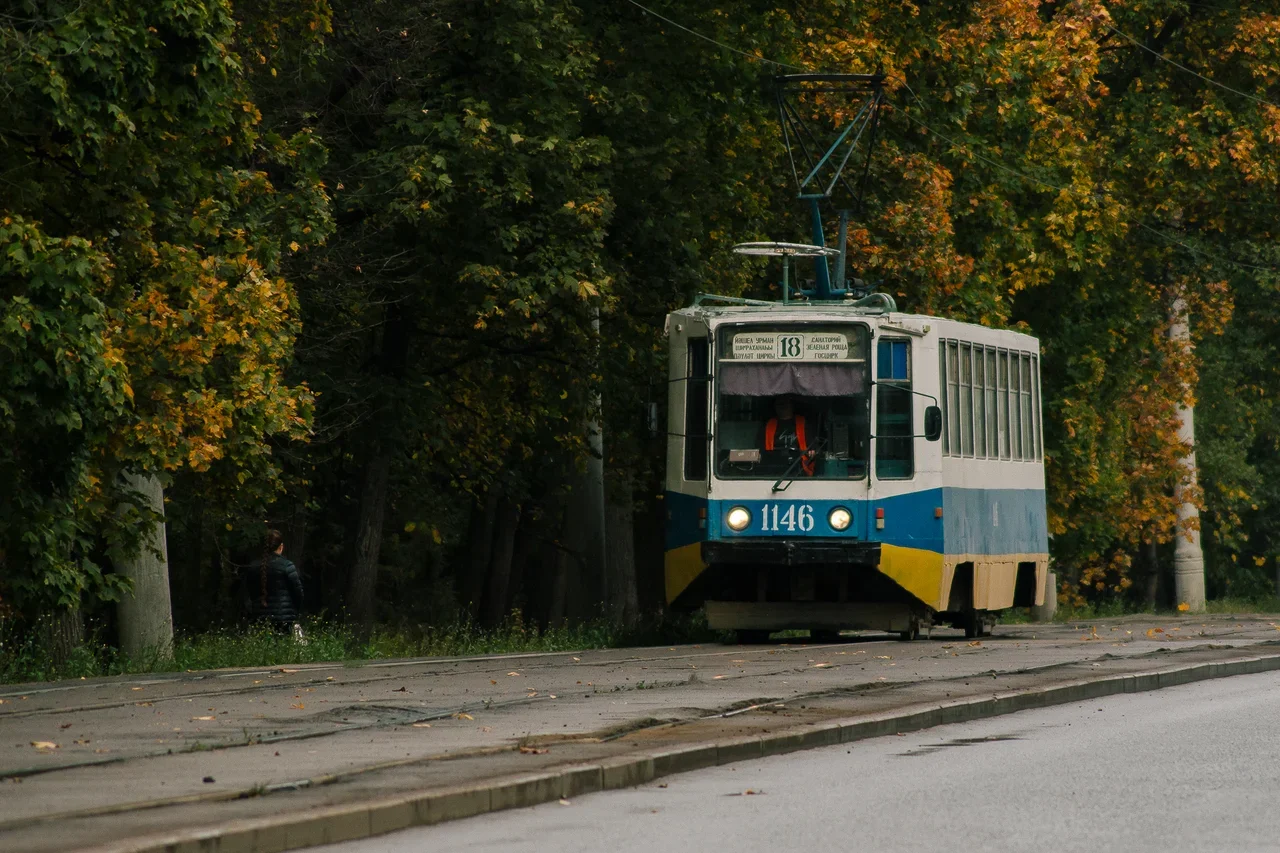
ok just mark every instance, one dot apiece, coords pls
pixel 280 599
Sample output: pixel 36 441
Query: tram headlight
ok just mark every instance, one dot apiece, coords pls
pixel 738 518
pixel 839 518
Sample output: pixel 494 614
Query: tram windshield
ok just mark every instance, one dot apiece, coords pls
pixel 786 392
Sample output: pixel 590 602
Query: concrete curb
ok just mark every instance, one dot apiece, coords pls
pixel 352 821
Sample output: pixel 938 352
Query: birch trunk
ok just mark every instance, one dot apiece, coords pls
pixel 146 616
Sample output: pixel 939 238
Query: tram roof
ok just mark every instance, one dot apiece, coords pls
pixel 833 311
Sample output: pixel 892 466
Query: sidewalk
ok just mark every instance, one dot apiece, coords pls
pixel 158 756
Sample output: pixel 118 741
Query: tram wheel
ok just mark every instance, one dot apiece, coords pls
pixel 751 636
pixel 972 624
pixel 824 635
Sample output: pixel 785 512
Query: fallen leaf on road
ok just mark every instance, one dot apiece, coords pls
pixel 552 695
pixel 533 750
pixel 44 744
pixel 821 665
pixel 100 751
pixel 194 719
pixel 131 688
pixel 577 659
pixel 884 657
pixel 485 729
pixel 422 725
pixel 297 706
pixel 976 643
pixel 491 681
pixel 401 690
pixel 331 678
pixel 82 742
pixel 462 716
pixel 144 704
pixel 716 677
pixel 1151 632
pixel 747 793
pixel 1183 607
pixel 512 674
pixel 65 726
pixel 565 803
pixel 289 671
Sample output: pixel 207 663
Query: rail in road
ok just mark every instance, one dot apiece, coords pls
pixel 140 755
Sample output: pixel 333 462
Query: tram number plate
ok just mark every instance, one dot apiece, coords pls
pixel 792 517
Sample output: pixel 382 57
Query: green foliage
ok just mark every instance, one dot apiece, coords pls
pixel 143 225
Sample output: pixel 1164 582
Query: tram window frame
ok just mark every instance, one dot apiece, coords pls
pixel 1036 403
pixel 1015 406
pixel 966 398
pixel 895 389
pixel 943 398
pixel 953 386
pixel 697 410
pixel 979 401
pixel 1002 401
pixel 992 409
pixel 1028 425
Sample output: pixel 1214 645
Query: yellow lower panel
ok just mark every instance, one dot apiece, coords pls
pixel 682 565
pixel 916 570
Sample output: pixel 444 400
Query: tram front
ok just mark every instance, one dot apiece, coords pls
pixel 768 508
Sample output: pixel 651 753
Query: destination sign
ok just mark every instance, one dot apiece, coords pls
pixel 792 346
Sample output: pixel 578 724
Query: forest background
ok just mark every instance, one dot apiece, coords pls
pixel 332 266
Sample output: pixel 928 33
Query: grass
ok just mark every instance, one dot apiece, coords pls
pixel 1117 608
pixel 25 659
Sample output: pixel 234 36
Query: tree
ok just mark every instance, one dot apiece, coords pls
pixel 145 219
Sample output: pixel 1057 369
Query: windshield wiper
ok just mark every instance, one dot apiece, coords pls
pixel 777 484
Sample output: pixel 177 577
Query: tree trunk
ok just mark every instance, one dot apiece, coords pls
pixel 362 587
pixel 480 535
pixel 1188 557
pixel 64 633
pixel 1151 591
pixel 620 561
pixel 496 605
pixel 146 616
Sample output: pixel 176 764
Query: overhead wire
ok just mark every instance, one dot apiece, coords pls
pixel 705 38
pixel 1193 72
pixel 970 147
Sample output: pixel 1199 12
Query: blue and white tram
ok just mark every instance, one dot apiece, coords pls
pixel 813 483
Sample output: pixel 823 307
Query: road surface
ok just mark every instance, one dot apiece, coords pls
pixel 1188 768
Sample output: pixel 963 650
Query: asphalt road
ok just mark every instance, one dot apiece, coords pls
pixel 1188 768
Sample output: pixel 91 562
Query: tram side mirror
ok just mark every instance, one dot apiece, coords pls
pixel 932 423
pixel 651 420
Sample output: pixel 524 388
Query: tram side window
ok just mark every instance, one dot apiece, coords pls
pixel 1028 424
pixel 991 409
pixel 1035 399
pixel 697 387
pixel 953 398
pixel 966 399
pixel 894 433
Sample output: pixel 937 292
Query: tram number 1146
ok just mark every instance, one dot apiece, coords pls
pixel 774 518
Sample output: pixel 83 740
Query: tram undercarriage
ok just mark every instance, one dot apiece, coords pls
pixel 754 588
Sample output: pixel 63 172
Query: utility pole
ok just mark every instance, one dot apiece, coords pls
pixel 1188 557
pixel 146 616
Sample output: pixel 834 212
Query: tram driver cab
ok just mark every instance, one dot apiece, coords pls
pixel 792 404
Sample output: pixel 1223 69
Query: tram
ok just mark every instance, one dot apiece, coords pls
pixel 833 463
pixel 909 489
